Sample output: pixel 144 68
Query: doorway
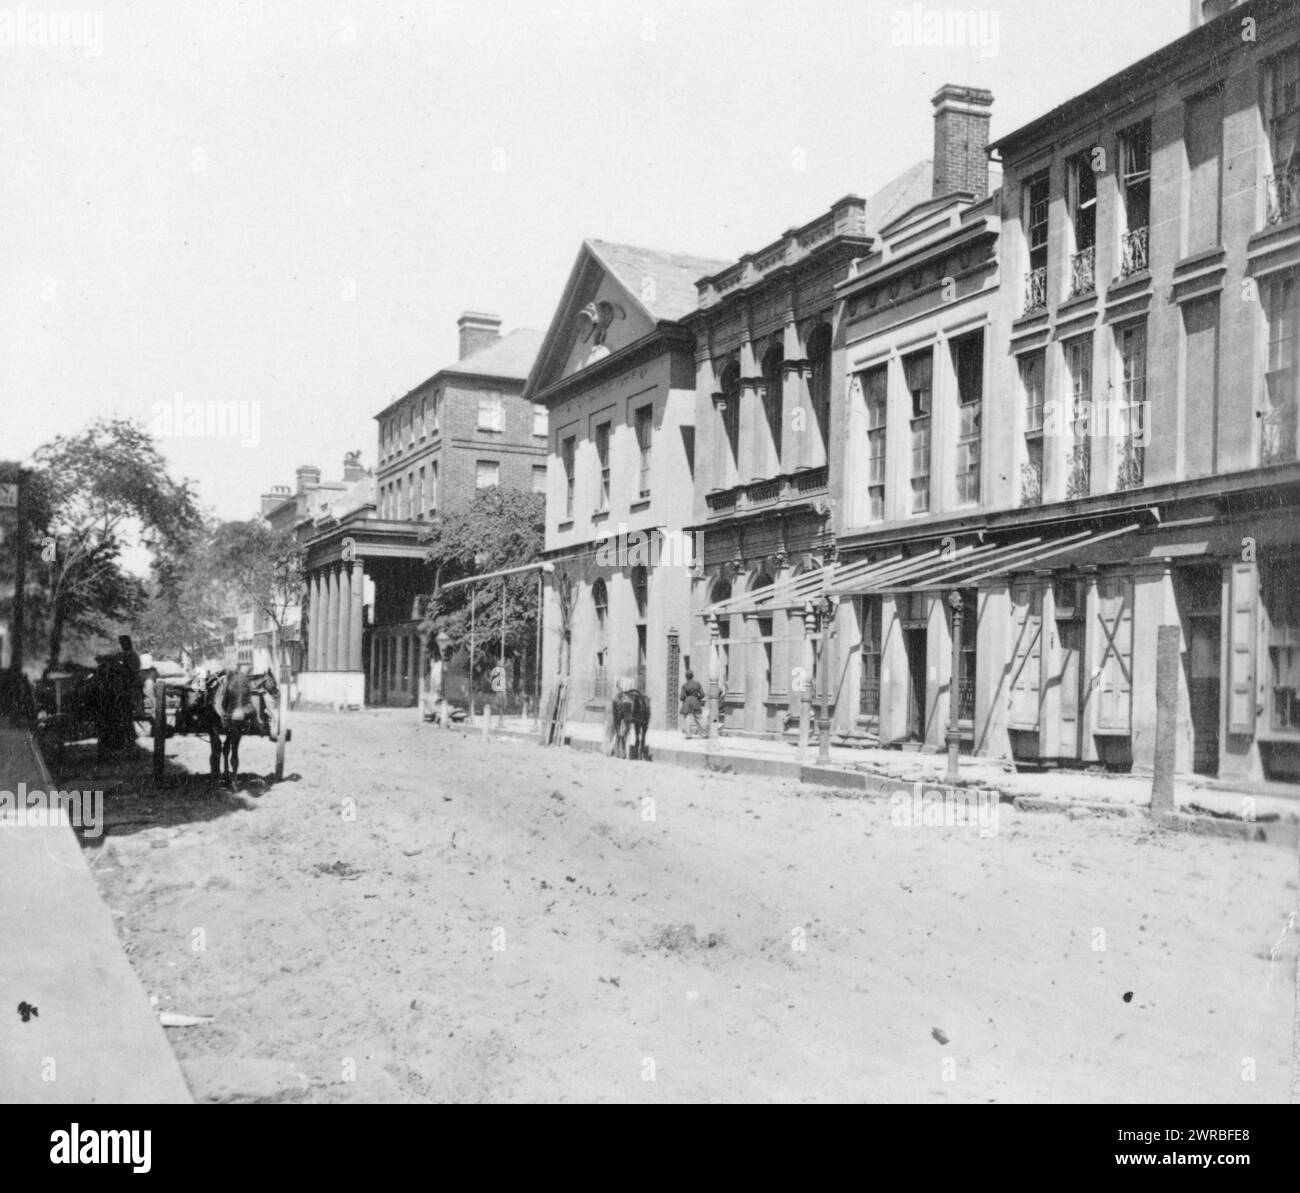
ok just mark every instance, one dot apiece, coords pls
pixel 914 642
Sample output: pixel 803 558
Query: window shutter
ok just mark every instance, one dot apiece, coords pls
pixel 1241 656
pixel 1026 655
pixel 1115 690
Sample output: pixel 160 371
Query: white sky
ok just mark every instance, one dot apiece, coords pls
pixel 188 211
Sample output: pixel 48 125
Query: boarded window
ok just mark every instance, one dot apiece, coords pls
pixel 1114 691
pixel 1026 655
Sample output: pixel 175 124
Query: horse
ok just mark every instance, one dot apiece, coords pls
pixel 629 710
pixel 226 711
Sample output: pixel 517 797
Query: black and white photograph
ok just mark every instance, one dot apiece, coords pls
pixel 651 553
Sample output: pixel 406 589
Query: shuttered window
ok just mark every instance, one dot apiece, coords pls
pixel 1026 655
pixel 1114 691
pixel 1241 649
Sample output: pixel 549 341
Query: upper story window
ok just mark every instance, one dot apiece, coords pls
pixel 1032 373
pixel 567 449
pixel 1278 419
pixel 644 431
pixel 819 380
pixel 1131 346
pixel 1078 366
pixel 729 409
pixel 489 412
pixel 435 426
pixel 539 478
pixel 773 360
pixel 1082 181
pixel 918 370
pixel 1204 141
pixel 539 420
pixel 968 364
pixel 602 460
pixel 409 415
pixel 431 503
pixel 1282 115
pixel 641 588
pixel 875 392
pixel 1135 198
pixel 1034 199
pixel 487 474
pixel 422 414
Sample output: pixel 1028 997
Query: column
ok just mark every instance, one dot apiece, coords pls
pixel 345 616
pixel 714 675
pixel 313 621
pixel 356 619
pixel 332 618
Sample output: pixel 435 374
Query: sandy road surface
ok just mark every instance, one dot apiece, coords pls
pixel 492 921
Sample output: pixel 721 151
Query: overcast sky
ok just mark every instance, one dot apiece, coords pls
pixel 288 204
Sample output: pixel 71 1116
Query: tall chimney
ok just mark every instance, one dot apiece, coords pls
pixel 961 139
pixel 308 477
pixel 477 331
pixel 352 467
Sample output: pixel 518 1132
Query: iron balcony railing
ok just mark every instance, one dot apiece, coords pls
pixel 1083 272
pixel 1036 290
pixel 765 493
pixel 1133 252
pixel 1031 484
pixel 1283 195
pixel 1079 473
pixel 1132 464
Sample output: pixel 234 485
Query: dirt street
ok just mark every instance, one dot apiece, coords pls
pixel 422 915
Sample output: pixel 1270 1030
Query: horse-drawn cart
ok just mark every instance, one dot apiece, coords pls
pixel 180 707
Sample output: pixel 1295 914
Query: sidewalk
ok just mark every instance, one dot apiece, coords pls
pixel 851 765
pixel 93 1038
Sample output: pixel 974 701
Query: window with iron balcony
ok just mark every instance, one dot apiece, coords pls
pixel 1135 198
pixel 1082 179
pixel 1032 373
pixel 1278 417
pixel 1282 116
pixel 1035 222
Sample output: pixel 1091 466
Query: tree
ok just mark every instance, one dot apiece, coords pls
pixel 262 567
pixel 104 486
pixel 185 602
pixel 502 528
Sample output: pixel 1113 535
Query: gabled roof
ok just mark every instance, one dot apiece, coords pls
pixel 914 185
pixel 670 295
pixel 673 295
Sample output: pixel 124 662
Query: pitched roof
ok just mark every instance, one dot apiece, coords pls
pixel 914 185
pixel 510 356
pixel 673 294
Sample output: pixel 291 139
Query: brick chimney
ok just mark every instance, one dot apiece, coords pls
pixel 308 477
pixel 477 331
pixel 352 467
pixel 961 139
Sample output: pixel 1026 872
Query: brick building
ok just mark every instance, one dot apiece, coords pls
pixel 465 428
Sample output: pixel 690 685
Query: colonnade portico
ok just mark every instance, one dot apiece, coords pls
pixel 335 609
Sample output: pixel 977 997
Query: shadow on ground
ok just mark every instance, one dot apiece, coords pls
pixel 133 801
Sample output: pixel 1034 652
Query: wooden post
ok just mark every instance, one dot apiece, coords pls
pixel 1168 640
pixel 487 722
pixel 282 712
pixel 159 728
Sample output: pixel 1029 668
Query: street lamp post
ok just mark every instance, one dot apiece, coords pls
pixel 826 611
pixel 954 686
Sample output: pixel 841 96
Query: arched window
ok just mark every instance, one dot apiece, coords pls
pixel 773 360
pixel 722 591
pixel 641 588
pixel 819 382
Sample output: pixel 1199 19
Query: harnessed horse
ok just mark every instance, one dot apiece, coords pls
pixel 628 711
pixel 226 710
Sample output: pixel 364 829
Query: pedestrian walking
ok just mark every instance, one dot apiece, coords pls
pixel 693 706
